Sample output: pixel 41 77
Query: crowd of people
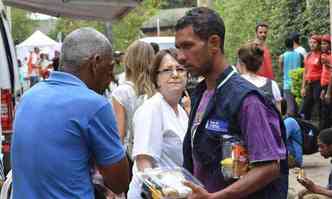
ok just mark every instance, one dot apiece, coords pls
pixel 36 66
pixel 94 146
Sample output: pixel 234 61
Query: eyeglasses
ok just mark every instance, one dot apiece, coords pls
pixel 171 71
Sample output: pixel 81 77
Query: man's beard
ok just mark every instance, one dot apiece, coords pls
pixel 207 67
pixel 204 69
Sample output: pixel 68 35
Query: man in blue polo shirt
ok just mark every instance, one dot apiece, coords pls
pixel 63 127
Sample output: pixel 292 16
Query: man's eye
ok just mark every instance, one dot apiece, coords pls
pixel 180 69
pixel 187 46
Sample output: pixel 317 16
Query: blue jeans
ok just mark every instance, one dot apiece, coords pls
pixel 291 103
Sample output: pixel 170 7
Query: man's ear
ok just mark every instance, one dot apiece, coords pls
pixel 214 44
pixel 93 64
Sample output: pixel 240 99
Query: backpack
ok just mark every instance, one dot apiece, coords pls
pixel 268 90
pixel 309 134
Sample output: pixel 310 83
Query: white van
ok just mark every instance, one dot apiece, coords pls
pixel 163 42
pixel 9 84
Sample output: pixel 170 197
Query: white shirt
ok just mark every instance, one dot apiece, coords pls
pixel 126 96
pixel 159 133
pixel 301 50
pixel 260 81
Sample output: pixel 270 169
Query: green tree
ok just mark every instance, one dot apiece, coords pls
pixel 303 16
pixel 296 76
pixel 240 19
pixel 22 25
pixel 283 17
pixel 127 29
pixel 67 25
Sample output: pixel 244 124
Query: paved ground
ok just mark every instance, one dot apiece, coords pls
pixel 316 168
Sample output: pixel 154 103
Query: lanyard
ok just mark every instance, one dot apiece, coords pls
pixel 194 129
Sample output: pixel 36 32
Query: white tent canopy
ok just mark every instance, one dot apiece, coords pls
pixel 40 40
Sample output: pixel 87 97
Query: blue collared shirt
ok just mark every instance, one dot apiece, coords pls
pixel 294 139
pixel 60 126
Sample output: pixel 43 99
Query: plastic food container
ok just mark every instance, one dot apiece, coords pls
pixel 166 183
pixel 235 160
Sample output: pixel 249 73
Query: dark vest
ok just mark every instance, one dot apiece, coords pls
pixel 224 106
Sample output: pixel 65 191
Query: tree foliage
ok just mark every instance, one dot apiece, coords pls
pixel 22 25
pixel 296 76
pixel 240 19
pixel 127 29
pixel 124 31
pixel 67 25
pixel 283 17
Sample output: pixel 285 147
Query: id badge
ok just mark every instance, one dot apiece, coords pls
pixel 218 126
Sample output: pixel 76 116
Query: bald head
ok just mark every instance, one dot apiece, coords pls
pixel 80 45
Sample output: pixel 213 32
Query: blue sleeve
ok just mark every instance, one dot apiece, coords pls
pixel 103 137
pixel 293 130
pixel 294 139
pixel 289 127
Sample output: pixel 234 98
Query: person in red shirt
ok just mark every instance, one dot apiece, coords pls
pixel 311 87
pixel 326 111
pixel 261 35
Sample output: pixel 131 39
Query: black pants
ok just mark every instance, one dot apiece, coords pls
pixel 311 99
pixel 326 114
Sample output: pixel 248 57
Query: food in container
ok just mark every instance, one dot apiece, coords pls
pixel 235 160
pixel 167 183
pixel 300 173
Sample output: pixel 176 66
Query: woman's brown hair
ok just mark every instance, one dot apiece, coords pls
pixel 252 56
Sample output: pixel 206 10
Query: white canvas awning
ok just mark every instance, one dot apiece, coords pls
pixel 106 10
pixel 40 40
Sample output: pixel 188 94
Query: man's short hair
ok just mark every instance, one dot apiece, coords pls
pixel 295 37
pixel 289 43
pixel 261 24
pixel 325 136
pixel 205 22
pixel 80 45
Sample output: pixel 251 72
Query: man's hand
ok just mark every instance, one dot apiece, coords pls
pixel 308 184
pixel 197 191
pixel 322 95
pixel 303 92
pixel 303 193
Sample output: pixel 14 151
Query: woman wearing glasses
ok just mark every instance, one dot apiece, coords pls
pixel 160 123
